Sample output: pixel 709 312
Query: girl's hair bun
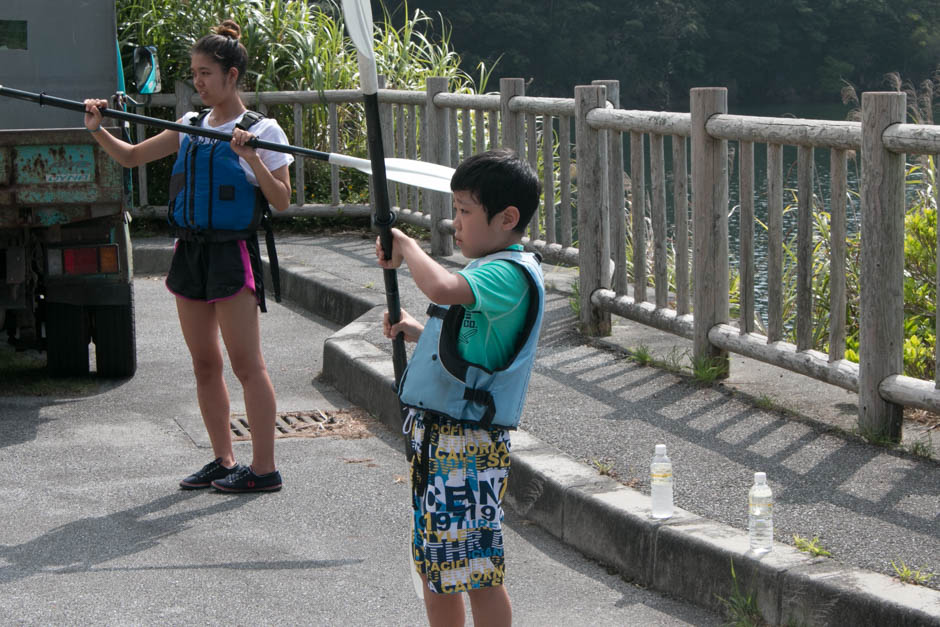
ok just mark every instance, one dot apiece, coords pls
pixel 228 28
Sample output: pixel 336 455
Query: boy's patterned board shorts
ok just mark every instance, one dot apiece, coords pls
pixel 458 479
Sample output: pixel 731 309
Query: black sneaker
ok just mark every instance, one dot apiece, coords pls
pixel 204 477
pixel 245 480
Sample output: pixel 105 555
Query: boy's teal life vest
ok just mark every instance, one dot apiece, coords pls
pixel 438 380
pixel 209 191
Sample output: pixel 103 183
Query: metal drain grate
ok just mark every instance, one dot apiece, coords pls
pixel 347 423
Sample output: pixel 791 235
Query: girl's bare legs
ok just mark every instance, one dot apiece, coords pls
pixel 201 332
pixel 238 321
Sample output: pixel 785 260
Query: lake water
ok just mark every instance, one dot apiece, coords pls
pixel 820 186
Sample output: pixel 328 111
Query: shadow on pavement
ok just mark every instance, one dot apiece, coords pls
pixel 84 544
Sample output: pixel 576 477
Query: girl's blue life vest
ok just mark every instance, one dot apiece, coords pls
pixel 438 380
pixel 209 191
pixel 211 198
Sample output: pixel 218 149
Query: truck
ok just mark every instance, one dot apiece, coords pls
pixel 65 252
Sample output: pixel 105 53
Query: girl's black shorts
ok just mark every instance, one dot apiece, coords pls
pixel 215 271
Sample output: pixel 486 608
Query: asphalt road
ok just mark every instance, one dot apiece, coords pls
pixel 95 531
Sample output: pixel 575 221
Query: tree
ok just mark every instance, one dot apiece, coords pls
pixel 658 49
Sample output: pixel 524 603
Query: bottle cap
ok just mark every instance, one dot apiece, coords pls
pixel 760 477
pixel 660 449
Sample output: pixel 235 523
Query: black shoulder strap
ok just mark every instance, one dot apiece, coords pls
pixel 197 121
pixel 249 119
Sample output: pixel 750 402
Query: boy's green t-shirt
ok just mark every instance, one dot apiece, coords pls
pixel 493 322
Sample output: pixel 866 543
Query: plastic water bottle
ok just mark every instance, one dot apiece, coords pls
pixel 760 522
pixel 661 483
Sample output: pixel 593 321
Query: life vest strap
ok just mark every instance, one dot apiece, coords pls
pixel 213 235
pixel 436 311
pixel 482 397
pixel 272 253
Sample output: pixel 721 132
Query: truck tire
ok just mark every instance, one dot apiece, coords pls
pixel 66 340
pixel 116 340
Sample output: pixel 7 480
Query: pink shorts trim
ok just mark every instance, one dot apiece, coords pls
pixel 249 277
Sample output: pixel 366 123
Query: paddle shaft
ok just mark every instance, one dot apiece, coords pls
pixel 74 105
pixel 384 219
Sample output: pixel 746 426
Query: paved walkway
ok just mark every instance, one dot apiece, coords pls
pixel 95 531
pixel 589 408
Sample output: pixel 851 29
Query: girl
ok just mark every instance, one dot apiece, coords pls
pixel 217 191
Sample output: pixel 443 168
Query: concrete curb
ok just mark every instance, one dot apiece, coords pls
pixel 687 556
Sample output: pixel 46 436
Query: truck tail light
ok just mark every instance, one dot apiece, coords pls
pixel 80 260
pixel 108 259
pixel 85 260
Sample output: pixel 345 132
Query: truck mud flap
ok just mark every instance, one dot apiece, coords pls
pixel 66 340
pixel 115 339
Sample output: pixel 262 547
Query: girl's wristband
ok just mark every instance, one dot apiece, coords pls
pixel 95 130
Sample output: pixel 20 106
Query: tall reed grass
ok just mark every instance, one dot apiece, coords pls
pixel 296 45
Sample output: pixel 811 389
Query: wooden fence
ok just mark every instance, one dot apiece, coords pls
pixel 588 218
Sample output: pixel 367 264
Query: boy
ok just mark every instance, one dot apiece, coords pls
pixel 465 385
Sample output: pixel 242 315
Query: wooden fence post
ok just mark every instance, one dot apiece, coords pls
pixel 593 209
pixel 618 221
pixel 881 333
pixel 710 225
pixel 438 151
pixel 184 98
pixel 513 127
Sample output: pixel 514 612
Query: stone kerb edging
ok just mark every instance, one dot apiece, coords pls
pixel 687 556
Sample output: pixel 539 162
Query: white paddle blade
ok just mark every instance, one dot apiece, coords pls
pixel 358 17
pixel 408 171
pixel 420 174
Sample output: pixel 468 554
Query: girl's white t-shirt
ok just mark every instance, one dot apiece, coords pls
pixel 266 129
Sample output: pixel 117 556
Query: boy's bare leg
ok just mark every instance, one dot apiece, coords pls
pixel 491 606
pixel 444 610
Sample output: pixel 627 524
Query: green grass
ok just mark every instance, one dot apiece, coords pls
pixel 918 577
pixel 299 45
pixel 674 360
pixel 878 439
pixel 922 448
pixel 605 468
pixel 810 546
pixel 765 402
pixel 24 374
pixel 642 355
pixel 741 607
pixel 575 299
pixel 708 370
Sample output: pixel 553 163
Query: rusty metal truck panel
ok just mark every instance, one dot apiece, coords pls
pixel 55 176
